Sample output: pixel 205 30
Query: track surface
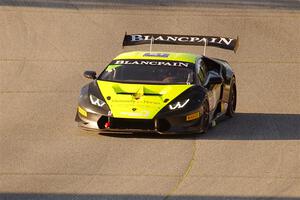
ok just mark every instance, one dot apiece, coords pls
pixel 44 51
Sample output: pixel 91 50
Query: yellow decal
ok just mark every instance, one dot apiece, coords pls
pixel 147 99
pixel 192 116
pixel 82 111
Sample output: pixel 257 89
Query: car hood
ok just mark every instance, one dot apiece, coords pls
pixel 138 101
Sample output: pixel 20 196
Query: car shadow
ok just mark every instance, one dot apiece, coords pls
pixel 243 126
pixel 257 126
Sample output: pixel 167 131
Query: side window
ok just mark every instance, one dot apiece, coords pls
pixel 201 70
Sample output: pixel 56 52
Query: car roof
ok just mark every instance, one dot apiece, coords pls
pixel 156 55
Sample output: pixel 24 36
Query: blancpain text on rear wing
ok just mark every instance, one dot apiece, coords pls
pixel 215 41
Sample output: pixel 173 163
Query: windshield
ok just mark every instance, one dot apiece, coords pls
pixel 148 74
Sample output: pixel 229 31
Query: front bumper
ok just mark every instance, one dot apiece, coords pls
pixel 177 124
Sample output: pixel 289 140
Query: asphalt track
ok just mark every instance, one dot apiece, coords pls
pixel 46 45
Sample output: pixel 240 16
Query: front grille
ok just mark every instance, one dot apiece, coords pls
pixel 123 123
pixel 140 124
pixel 120 123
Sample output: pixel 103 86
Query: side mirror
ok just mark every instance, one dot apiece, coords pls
pixel 90 74
pixel 213 79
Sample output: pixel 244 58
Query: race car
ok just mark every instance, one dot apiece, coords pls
pixel 160 92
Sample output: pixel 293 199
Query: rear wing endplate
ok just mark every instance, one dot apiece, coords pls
pixel 214 41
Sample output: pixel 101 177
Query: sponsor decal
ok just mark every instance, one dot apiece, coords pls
pixel 164 55
pixel 152 63
pixel 143 113
pixel 193 116
pixel 221 42
pixel 137 102
pixel 191 39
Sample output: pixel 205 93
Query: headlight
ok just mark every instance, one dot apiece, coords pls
pixel 179 104
pixel 95 101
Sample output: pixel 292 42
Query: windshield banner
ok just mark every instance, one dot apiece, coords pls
pixel 220 42
pixel 166 63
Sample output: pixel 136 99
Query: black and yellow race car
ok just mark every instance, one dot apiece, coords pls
pixel 160 92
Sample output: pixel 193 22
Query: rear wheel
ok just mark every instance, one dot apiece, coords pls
pixel 232 100
pixel 205 117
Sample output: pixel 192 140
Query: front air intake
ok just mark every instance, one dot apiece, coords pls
pixel 124 123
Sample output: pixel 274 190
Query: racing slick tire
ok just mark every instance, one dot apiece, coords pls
pixel 232 100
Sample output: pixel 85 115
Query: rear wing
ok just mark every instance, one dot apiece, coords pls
pixel 214 41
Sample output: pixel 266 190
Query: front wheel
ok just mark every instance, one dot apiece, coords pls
pixel 232 100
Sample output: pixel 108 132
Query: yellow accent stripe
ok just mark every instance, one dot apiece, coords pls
pixel 82 111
